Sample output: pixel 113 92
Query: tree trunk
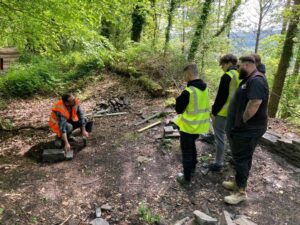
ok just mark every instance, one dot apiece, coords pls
pixel 170 22
pixel 219 14
pixel 138 21
pixel 297 63
pixel 285 19
pixel 199 30
pixel 228 19
pixel 183 29
pixel 259 26
pixel 155 21
pixel 284 62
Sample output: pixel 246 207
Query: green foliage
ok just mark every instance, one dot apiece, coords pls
pixel 146 214
pixel 45 75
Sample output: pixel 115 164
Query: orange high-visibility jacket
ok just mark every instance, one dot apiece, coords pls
pixel 60 107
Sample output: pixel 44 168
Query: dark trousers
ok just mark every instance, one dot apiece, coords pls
pixel 242 149
pixel 189 153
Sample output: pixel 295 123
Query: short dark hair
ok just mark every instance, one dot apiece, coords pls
pixel 66 96
pixel 247 58
pixel 193 68
pixel 256 58
pixel 228 58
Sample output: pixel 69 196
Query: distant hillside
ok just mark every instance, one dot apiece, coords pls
pixel 246 40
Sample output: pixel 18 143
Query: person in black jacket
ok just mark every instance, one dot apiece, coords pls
pixel 246 123
pixel 259 65
pixel 187 139
pixel 219 109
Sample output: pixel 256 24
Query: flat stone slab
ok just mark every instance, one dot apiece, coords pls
pixel 106 207
pixel 226 219
pixel 175 134
pixel 70 155
pixel 99 221
pixel 182 221
pixel 203 219
pixel 53 155
pixel 269 139
pixel 244 221
pixel 168 129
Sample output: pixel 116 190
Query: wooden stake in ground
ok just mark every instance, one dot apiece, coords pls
pixel 149 126
pixel 66 220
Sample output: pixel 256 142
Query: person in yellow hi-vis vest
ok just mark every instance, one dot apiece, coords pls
pixel 229 83
pixel 193 119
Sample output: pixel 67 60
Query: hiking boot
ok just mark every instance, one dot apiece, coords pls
pixel 236 198
pixel 182 181
pixel 230 185
pixel 214 167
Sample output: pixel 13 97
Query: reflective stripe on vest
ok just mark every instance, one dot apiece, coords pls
pixel 233 85
pixel 195 119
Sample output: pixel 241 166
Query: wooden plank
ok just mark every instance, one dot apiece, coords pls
pixel 147 119
pixel 149 126
pixel 111 114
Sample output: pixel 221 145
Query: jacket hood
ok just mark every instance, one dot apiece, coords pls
pixel 198 83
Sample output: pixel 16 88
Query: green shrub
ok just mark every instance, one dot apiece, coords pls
pixel 25 79
pixel 146 214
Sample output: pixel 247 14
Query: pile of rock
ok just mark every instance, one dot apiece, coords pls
pixel 289 148
pixel 112 105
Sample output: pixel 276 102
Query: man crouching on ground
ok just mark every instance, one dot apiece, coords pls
pixel 67 116
pixel 193 107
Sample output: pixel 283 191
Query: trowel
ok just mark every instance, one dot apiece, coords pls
pixel 98 220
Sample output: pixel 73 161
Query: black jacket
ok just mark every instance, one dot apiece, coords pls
pixel 223 92
pixel 183 100
pixel 261 68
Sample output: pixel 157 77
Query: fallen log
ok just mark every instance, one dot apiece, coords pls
pixel 151 86
pixel 144 80
pixel 149 126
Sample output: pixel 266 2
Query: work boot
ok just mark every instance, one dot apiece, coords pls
pixel 230 185
pixel 58 142
pixel 236 197
pixel 214 167
pixel 182 181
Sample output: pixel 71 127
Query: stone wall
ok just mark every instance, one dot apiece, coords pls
pixel 289 148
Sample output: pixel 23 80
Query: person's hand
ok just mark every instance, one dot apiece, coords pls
pixel 67 147
pixel 85 134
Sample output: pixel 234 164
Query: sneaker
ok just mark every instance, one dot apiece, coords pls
pixel 214 167
pixel 182 181
pixel 230 185
pixel 236 198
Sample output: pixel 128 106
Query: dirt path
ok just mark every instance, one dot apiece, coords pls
pixel 123 169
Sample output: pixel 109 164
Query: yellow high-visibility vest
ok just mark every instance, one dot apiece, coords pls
pixel 233 86
pixel 195 119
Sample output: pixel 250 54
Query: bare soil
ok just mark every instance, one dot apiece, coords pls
pixel 124 168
